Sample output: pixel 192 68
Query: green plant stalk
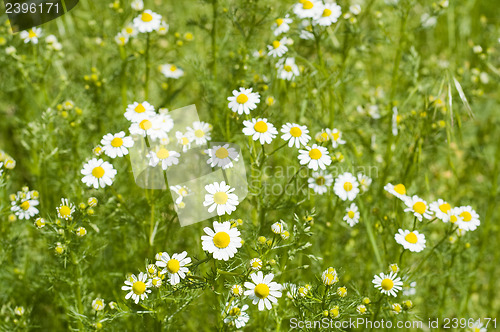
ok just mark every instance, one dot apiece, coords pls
pixel 148 66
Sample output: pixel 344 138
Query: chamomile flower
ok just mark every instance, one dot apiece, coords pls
pixel 320 181
pixel 441 209
pixel 335 136
pixel 24 206
pixel 314 157
pixel 181 191
pixel 161 124
pixel 163 29
pixel 236 290
pixel 396 308
pixel 98 173
pixel 136 112
pixel 278 227
pixel 148 21
pixel 175 266
pixel 329 15
pixel 199 132
pixel 19 311
pixel 295 134
pixel 137 5
pixel 307 9
pixel 287 69
pixel 342 291
pixel 235 315
pixel 138 287
pixel 398 190
pixel 329 276
pixel 388 284
pixel 221 156
pixel 346 186
pixel 262 290
pixel 281 25
pixel 98 304
pixel 361 309
pixel 116 145
pixel 260 129
pixel 220 196
pixel 161 155
pixel 411 240
pixel 477 326
pixel 81 231
pixel 92 201
pixel 469 219
pixel 66 209
pixel 278 48
pixel 121 38
pixel 171 71
pixel 418 207
pixel 364 182
pixel 31 35
pixel 130 31
pixel 243 101
pixel 40 222
pixel 183 140
pixel 256 264
pixel 352 216
pixel 223 241
pixel 156 282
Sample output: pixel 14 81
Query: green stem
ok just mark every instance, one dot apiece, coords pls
pixel 148 67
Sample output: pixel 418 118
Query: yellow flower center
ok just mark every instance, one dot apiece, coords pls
pixel 98 172
pixel 261 291
pixel 276 44
pixel 260 126
pixel 400 189
pixel 184 141
pixel 199 133
pixel 221 240
pixel 287 68
pixel 242 98
pixel 64 211
pixel 347 186
pixel 25 205
pixel 411 237
pixel 453 219
pixel 236 290
pixel 235 311
pixel 255 264
pixel 139 287
pixel 387 284
pixel 466 216
pixel 146 17
pixel 350 214
pixel 173 266
pixel 327 12
pixel 145 124
pixel 419 207
pixel 140 109
pixel 295 132
pixel 31 34
pixel 279 21
pixel 307 5
pixel 173 68
pixel 116 142
pixel 320 180
pixel 129 30
pixel 221 153
pixel 315 154
pixel 445 207
pixel 162 153
pixel 220 197
pixel 336 136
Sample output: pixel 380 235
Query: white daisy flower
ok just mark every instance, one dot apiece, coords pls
pixel 144 127
pixel 315 156
pixel 31 35
pixel 259 53
pixel 388 284
pixel 418 207
pixel 163 29
pixel 320 181
pixel 256 264
pixel 81 231
pixel 148 21
pixel 40 222
pixel 223 242
pixel 137 112
pixel 221 156
pixel 161 155
pixel 346 186
pixel 19 311
pixel 116 145
pixel 329 276
pixel 398 190
pixel 183 140
pixel 98 173
pixel 281 25
pixel 361 309
pixel 477 326
pixel 121 38
pixel 441 209
pixel 220 196
pixel 98 304
pixel 174 266
pixel 295 134
pixel 199 133
pixel 278 48
pixel 411 240
pixel 364 182
pixel 236 290
pixel 161 125
pixel 307 9
pixel 138 287
pixel 330 14
pixel 352 216
pixel 236 316
pixel 243 101
pixel 278 227
pixel 335 136
pixel 171 71
pixel 262 290
pixel 306 34
pixel 181 191
pixel 25 208
pixel 287 69
pixel 66 209
pixel 260 129
pixel 130 31
pixel 137 5
pixel 469 219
